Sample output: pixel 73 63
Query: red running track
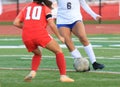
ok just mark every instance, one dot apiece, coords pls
pixel 90 29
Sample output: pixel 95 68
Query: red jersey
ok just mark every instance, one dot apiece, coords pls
pixel 34 18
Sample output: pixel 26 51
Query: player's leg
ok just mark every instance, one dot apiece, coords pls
pixel 66 33
pixel 36 59
pixel 79 31
pixel 31 47
pixel 60 60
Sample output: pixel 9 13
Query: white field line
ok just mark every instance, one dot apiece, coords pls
pixel 9 47
pixel 15 55
pixel 96 39
pixel 115 45
pixel 105 72
pixel 64 46
pixel 61 45
pixel 113 41
pixel 13 39
pixel 10 39
pixel 69 57
pixel 108 48
pixel 68 70
pixel 28 57
pixel 103 38
pixel 79 46
pixel 101 72
pixel 116 56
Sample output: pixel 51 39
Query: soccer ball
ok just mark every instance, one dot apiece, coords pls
pixel 81 65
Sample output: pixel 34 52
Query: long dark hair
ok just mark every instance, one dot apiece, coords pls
pixel 46 2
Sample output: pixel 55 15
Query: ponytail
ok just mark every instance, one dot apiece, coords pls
pixel 46 2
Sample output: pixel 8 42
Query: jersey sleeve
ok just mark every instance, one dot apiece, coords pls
pixel 88 9
pixel 21 15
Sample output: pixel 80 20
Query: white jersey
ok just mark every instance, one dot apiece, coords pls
pixel 69 11
pixel 54 10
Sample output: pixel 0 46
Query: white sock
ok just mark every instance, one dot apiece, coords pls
pixel 76 54
pixel 90 53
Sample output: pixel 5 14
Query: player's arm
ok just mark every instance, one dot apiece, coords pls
pixel 85 6
pixel 18 22
pixel 52 24
pixel 54 29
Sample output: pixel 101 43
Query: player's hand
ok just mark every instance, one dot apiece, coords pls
pixel 98 17
pixel 62 39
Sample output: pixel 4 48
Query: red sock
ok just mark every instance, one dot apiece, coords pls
pixel 61 63
pixel 35 62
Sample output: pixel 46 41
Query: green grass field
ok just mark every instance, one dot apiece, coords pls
pixel 15 64
pixel 86 22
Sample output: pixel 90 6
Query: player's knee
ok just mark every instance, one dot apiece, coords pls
pixel 58 51
pixel 84 41
pixel 37 52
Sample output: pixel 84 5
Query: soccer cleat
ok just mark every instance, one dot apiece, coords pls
pixel 97 66
pixel 29 77
pixel 66 79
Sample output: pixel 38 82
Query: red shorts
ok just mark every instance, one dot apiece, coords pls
pixel 39 41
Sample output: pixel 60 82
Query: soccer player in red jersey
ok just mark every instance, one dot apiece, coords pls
pixel 33 20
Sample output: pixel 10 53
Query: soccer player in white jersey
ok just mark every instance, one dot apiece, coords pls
pixel 69 20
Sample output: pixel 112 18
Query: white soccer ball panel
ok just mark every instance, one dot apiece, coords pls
pixel 81 64
pixel 86 64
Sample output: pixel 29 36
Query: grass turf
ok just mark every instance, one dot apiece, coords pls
pixel 20 58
